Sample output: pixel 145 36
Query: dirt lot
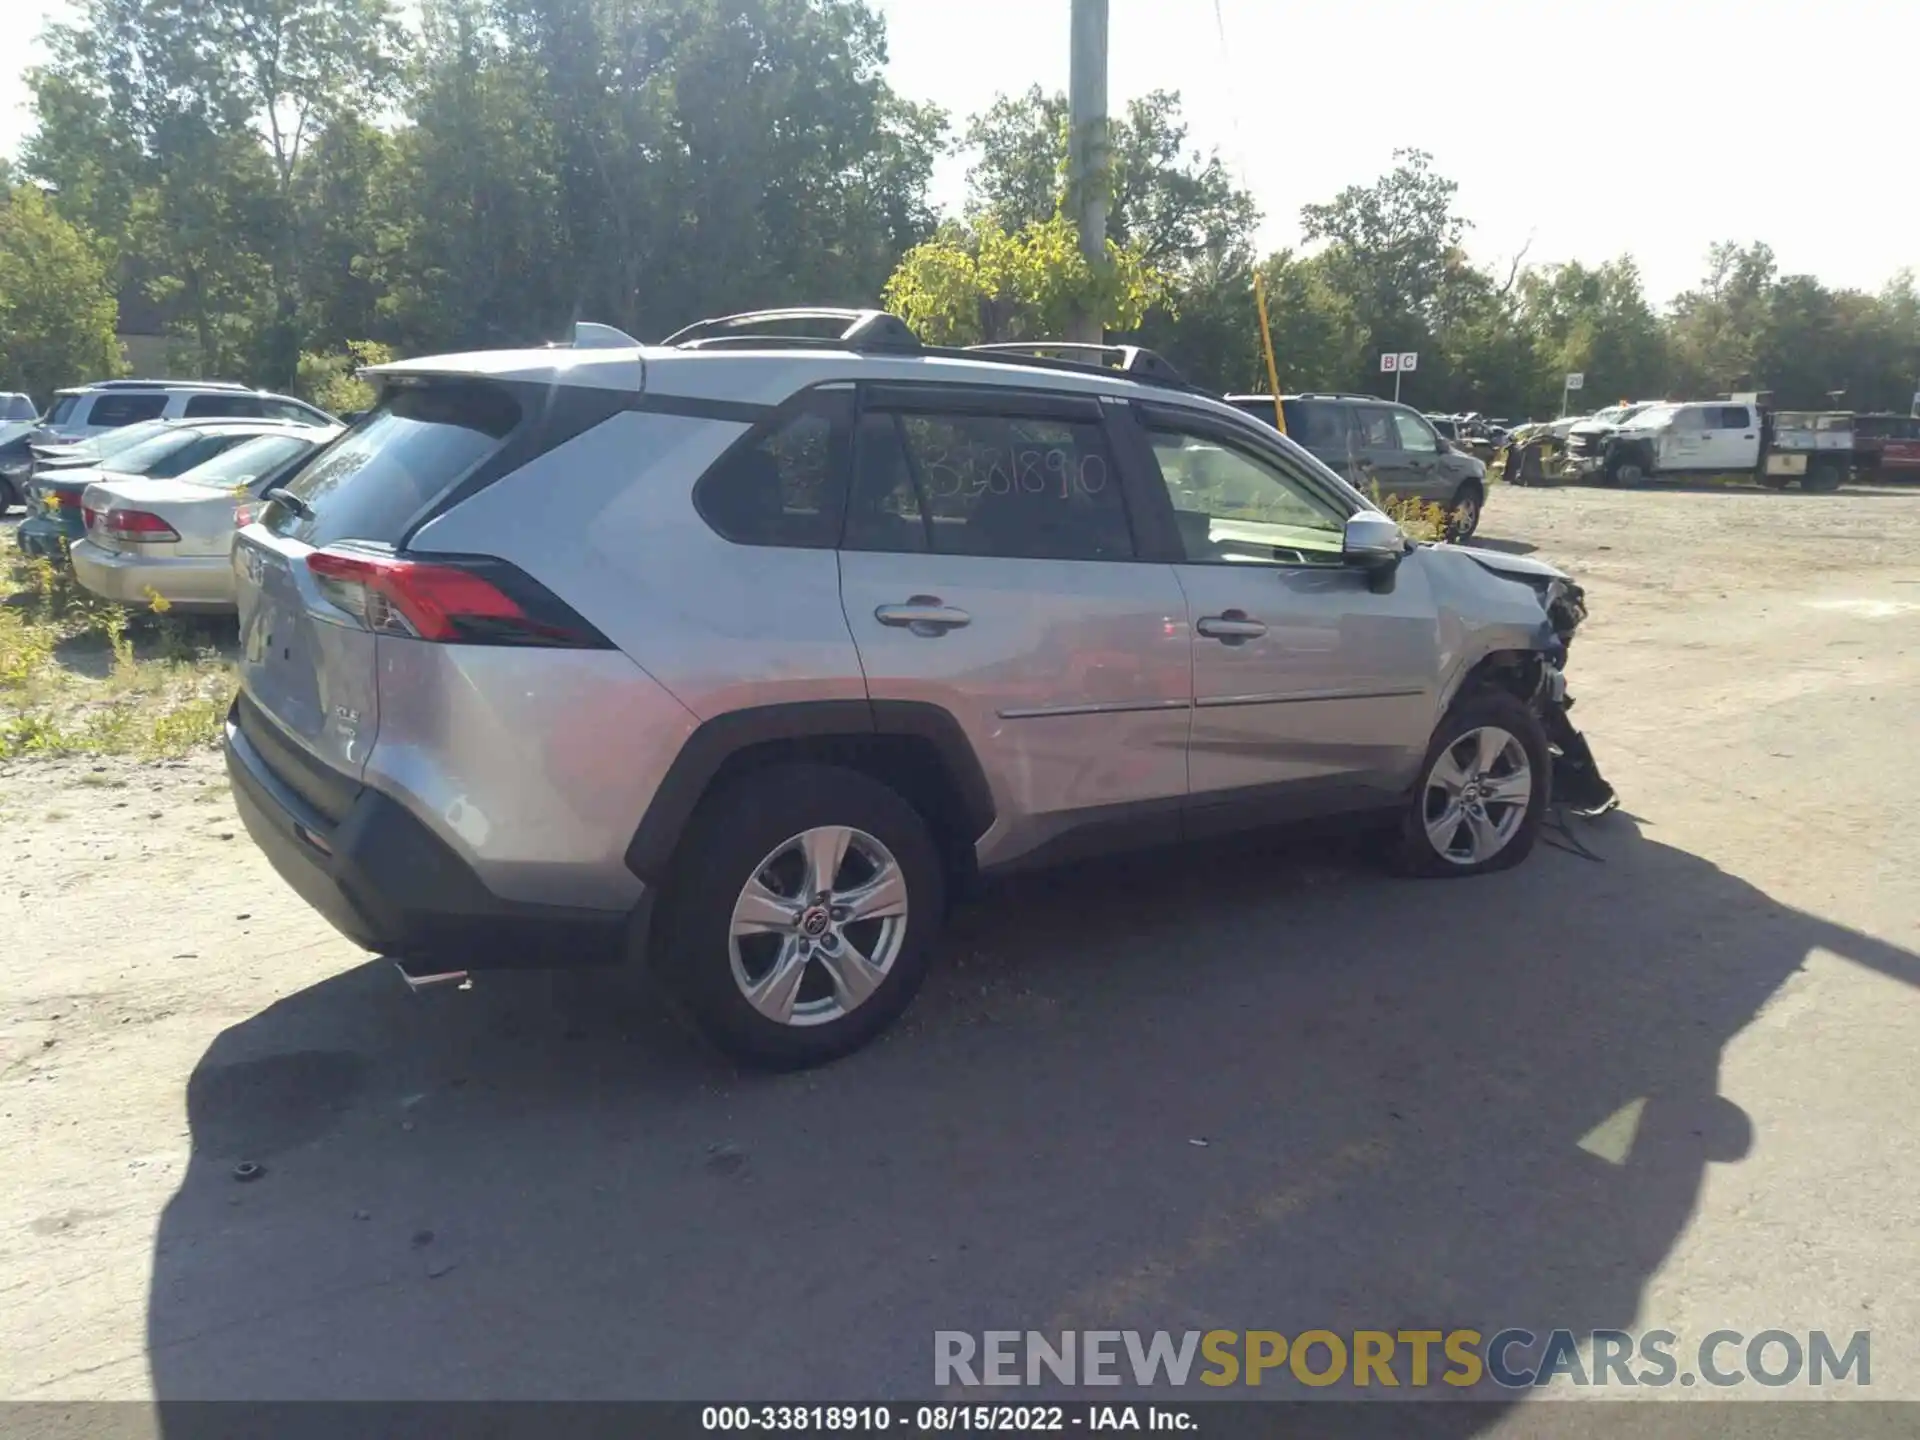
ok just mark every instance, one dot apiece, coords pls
pixel 1412 1097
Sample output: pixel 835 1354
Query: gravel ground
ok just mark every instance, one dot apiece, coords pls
pixel 1674 1088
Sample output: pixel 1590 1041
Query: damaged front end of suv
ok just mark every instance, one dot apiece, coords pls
pixel 1577 781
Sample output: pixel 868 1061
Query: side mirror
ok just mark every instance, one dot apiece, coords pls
pixel 1372 539
pixel 1375 543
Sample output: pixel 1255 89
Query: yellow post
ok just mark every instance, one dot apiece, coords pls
pixel 1266 341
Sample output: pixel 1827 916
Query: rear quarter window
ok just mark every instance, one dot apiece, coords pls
pixel 209 406
pixel 418 444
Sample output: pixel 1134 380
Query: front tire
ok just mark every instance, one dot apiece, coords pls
pixel 1482 790
pixel 801 915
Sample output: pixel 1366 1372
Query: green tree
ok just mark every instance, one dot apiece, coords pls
pixel 1173 204
pixel 1389 246
pixel 980 284
pixel 57 310
pixel 1594 321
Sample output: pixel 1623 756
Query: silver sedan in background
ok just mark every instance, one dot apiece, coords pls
pixel 172 539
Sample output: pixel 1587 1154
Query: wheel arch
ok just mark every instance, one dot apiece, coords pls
pixel 915 748
pixel 1517 672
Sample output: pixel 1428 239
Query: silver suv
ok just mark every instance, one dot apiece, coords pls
pixel 90 410
pixel 745 652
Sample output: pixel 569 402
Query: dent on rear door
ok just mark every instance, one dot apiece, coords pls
pixel 313 674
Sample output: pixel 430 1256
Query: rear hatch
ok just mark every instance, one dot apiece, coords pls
pixel 310 616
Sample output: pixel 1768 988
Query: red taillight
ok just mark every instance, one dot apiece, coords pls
pixel 137 527
pixel 469 600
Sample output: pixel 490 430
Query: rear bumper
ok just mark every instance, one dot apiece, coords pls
pixel 200 582
pixel 49 539
pixel 389 884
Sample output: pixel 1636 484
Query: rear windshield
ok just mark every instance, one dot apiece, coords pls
pixel 91 452
pixel 248 461
pixel 405 454
pixel 151 454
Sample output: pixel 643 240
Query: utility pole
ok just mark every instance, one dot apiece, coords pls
pixel 1089 159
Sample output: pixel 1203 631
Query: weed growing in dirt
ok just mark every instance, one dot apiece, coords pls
pixel 81 676
pixel 1421 519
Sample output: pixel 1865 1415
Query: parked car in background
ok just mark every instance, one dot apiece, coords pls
pixel 54 520
pixel 743 651
pixel 173 538
pixel 1384 448
pixel 1887 447
pixel 18 421
pixel 90 409
pixel 1673 441
pixel 1587 439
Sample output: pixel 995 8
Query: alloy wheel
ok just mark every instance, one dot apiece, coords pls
pixel 1476 796
pixel 818 926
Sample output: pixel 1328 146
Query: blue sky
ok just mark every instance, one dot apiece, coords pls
pixel 1641 126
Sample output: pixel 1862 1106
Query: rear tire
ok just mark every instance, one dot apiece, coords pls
pixel 1481 793
pixel 1823 476
pixel 760 954
pixel 9 497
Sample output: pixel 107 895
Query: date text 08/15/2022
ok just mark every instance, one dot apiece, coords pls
pixel 944 1419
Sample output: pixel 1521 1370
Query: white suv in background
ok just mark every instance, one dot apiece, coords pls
pixel 94 409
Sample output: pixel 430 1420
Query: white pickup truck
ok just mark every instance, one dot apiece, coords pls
pixel 1673 440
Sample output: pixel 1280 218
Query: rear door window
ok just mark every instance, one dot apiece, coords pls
pixel 1014 486
pixel 111 411
pixel 1373 428
pixel 413 448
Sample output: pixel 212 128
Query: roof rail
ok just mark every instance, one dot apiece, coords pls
pixel 166 385
pixel 863 330
pixel 1134 361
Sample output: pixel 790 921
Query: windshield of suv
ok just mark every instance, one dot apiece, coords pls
pixel 62 409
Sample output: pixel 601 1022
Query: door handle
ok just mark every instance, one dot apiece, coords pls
pixel 923 615
pixel 1232 628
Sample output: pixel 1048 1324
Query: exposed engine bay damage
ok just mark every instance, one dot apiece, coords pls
pixel 1577 782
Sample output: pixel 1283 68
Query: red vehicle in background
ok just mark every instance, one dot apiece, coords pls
pixel 1887 447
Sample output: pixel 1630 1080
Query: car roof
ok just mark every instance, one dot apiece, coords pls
pixel 108 387
pixel 770 376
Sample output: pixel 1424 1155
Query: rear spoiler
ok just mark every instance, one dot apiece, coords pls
pixel 597 356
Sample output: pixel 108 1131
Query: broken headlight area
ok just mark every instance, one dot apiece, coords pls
pixel 1577 781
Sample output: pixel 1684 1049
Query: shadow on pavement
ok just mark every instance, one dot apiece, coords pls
pixel 504 1194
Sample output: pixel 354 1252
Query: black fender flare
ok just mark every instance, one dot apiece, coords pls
pixel 807 728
